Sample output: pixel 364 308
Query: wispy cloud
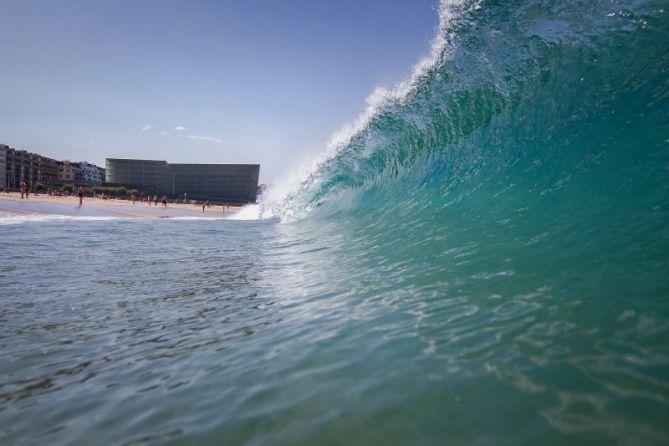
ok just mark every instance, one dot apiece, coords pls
pixel 180 128
pixel 147 127
pixel 163 133
pixel 205 138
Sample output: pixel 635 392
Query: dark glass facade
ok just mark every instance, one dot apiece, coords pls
pixel 147 175
pixel 230 183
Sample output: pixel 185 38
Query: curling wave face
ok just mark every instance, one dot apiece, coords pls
pixel 508 92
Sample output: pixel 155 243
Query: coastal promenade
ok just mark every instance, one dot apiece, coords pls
pixel 11 204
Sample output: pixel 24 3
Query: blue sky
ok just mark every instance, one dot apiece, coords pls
pixel 245 81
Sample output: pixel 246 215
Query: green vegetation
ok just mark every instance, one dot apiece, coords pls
pixel 115 191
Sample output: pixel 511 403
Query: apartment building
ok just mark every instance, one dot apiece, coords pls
pixel 3 165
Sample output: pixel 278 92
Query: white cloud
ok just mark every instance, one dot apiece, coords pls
pixel 180 128
pixel 205 138
pixel 147 127
pixel 163 133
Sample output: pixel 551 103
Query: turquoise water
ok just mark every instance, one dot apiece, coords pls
pixel 484 261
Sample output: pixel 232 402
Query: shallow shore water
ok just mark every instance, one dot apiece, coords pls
pixel 257 332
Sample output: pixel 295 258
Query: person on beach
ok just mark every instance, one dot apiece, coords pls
pixel 81 195
pixel 133 197
pixel 185 197
pixel 23 188
pixel 165 201
pixel 148 199
pixel 204 205
pixel 155 199
pixel 27 189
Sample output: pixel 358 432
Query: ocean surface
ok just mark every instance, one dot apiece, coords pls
pixel 482 258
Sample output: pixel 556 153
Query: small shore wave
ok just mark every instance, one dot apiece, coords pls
pixel 15 210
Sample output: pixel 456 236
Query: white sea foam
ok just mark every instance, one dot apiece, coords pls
pixel 248 212
pixel 192 218
pixel 16 219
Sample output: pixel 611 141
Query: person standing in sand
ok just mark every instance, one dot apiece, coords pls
pixel 23 188
pixel 165 201
pixel 81 195
pixel 133 197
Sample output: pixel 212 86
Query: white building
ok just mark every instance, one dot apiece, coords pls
pixel 90 174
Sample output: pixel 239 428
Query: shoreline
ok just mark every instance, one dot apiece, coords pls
pixel 11 205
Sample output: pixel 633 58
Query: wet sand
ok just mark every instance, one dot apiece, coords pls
pixel 12 204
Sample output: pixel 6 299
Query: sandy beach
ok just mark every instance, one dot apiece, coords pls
pixel 11 204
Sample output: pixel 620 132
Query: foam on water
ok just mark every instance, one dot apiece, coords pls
pixel 249 212
pixel 18 219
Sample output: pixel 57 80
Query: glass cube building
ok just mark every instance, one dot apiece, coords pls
pixel 229 183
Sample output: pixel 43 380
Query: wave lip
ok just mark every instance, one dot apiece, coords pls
pixel 286 199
